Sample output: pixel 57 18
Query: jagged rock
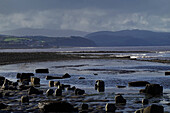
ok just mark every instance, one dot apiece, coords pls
pixel 120 100
pixel 57 106
pixel 41 71
pixel 33 90
pixel 110 108
pixel 66 76
pixel 58 92
pixel 24 99
pixel 49 92
pixel 138 83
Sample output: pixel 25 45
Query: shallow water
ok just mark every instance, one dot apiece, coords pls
pixel 112 71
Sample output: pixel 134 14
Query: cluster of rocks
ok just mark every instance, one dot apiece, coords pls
pixel 28 82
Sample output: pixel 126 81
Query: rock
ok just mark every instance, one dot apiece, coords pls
pixel 35 81
pixel 56 106
pixel 25 76
pixel 58 92
pixel 3 106
pixel 2 78
pixel 49 92
pixel 153 89
pixel 145 101
pixel 138 83
pixel 79 91
pixel 33 90
pixel 167 73
pixel 41 71
pixel 52 77
pixel 6 85
pixel 95 74
pixel 84 107
pixel 120 86
pixel 56 83
pixel 66 76
pixel 81 78
pixel 100 86
pixel 24 99
pixel 120 100
pixel 110 108
pixel 151 109
pixel 51 83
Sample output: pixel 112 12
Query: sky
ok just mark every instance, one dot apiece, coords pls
pixel 85 15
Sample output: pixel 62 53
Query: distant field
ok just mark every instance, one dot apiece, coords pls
pixel 15 39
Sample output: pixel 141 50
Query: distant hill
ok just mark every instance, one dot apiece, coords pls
pixel 43 42
pixel 43 32
pixel 130 38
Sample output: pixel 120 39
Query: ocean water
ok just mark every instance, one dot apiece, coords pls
pixel 112 71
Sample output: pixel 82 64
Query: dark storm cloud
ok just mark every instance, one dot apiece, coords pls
pixel 87 15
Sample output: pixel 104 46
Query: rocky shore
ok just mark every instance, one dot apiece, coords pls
pixel 27 94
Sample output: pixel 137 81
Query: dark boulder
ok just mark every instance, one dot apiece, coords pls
pixel 66 76
pixel 81 78
pixel 35 81
pixel 110 108
pixel 24 99
pixel 58 92
pixel 56 106
pixel 79 91
pixel 153 89
pixel 41 71
pixel 145 101
pixel 52 77
pixel 120 100
pixel 49 92
pixel 138 83
pixel 51 83
pixel 100 86
pixel 25 76
pixel 2 79
pixel 33 90
pixel 56 83
pixel 167 73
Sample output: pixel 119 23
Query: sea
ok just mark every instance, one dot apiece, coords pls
pixel 112 71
